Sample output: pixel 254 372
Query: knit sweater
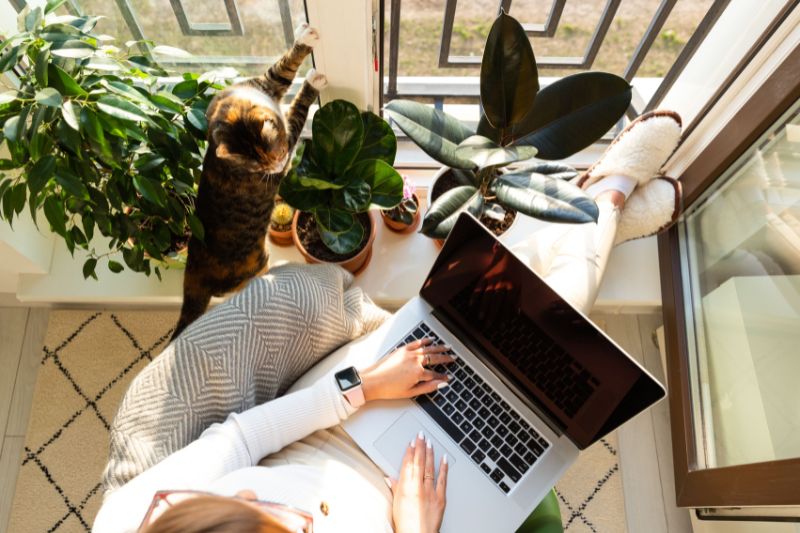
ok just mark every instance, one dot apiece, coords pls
pixel 223 461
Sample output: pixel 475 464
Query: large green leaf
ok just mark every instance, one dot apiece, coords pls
pixel 40 67
pixel 299 196
pixel 554 170
pixel 311 175
pixel 40 173
pixel 71 183
pixel 442 214
pixel 355 197
pixel 70 117
pixel 379 139
pixel 54 212
pixel 545 198
pixel 121 109
pixel 486 153
pixel 342 242
pixel 436 132
pixel 385 183
pixel 334 220
pixel 61 80
pixel 150 190
pixel 73 49
pixel 573 112
pixel 338 133
pixel 509 79
pixel 49 97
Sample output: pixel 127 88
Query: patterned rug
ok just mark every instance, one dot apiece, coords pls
pixel 89 358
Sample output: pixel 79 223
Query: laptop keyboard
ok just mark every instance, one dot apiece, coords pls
pixel 485 426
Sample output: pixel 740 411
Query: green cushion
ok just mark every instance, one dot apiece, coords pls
pixel 546 518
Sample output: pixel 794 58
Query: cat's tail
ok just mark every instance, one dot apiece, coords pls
pixel 195 301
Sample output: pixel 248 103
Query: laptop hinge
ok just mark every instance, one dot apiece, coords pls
pixel 466 338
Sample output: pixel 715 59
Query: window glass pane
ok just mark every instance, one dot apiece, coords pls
pixel 247 35
pixel 740 249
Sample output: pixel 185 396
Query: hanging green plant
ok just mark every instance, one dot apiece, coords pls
pixel 99 142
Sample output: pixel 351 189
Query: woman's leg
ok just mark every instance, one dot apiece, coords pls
pixel 573 258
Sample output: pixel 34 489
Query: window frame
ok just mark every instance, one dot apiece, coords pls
pixel 772 483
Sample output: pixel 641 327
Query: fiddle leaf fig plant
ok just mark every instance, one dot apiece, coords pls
pixel 518 122
pixel 345 169
pixel 95 138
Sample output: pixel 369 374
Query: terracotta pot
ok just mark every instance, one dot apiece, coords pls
pixel 401 227
pixel 281 238
pixel 355 264
pixel 432 198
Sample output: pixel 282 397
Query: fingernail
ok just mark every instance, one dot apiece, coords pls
pixel 421 435
pixel 413 443
pixel 444 458
pixel 428 443
pixel 442 385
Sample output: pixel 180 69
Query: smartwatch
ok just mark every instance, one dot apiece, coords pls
pixel 349 383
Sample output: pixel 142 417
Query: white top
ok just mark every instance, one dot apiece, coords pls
pixel 223 461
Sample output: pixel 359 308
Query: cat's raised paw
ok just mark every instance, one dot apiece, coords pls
pixel 305 34
pixel 316 79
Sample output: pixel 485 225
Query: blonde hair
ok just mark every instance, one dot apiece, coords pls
pixel 214 514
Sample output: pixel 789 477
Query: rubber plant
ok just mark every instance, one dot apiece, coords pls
pixel 518 121
pixel 94 138
pixel 345 169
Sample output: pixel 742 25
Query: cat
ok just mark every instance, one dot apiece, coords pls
pixel 249 144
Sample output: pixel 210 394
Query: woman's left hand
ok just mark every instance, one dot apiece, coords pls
pixel 403 373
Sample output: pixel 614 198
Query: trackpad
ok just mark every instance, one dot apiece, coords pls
pixel 394 441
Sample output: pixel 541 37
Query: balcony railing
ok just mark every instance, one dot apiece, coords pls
pixel 440 90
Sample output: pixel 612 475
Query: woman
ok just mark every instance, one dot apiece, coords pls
pixel 292 449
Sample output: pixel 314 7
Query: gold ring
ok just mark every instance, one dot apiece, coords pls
pixel 428 476
pixel 427 360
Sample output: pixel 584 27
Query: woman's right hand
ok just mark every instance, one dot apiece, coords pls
pixel 419 499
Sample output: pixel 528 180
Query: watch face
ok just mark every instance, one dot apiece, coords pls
pixel 347 379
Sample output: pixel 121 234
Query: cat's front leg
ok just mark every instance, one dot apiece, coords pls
pixel 306 35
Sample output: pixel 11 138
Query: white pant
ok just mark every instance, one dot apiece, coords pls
pixel 572 258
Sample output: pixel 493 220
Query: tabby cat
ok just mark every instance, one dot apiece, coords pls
pixel 249 146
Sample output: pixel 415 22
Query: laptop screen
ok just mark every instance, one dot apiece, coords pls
pixel 557 360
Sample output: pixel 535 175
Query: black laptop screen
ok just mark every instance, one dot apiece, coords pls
pixel 546 349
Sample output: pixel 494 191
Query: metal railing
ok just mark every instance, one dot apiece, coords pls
pixel 233 26
pixel 439 90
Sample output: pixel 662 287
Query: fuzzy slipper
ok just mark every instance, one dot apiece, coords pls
pixel 650 209
pixel 639 152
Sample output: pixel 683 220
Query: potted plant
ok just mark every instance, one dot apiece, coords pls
pixel 99 143
pixel 404 217
pixel 518 122
pixel 280 223
pixel 343 172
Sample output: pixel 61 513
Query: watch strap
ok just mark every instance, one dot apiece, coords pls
pixel 355 396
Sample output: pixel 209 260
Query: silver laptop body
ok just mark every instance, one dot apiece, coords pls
pixel 487 490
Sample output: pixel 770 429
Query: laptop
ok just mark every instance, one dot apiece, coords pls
pixel 534 383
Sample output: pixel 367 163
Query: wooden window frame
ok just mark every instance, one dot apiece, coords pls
pixel 773 483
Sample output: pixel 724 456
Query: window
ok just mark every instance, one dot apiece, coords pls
pixel 434 47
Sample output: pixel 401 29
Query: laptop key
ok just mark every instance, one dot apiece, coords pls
pixel 409 339
pixel 513 427
pixel 515 415
pixel 475 403
pixel 418 333
pixel 461 405
pixel 484 413
pixel 505 406
pixel 518 463
pixel 440 418
pixel 466 395
pixel 457 386
pixel 486 468
pixel 502 431
pixel 469 414
pixel 466 427
pixel 469 383
pixel 425 327
pixel 508 469
pixel 504 487
pixel 511 440
pixel 505 418
pixel 475 436
pixel 457 418
pixel 487 432
pixel 535 448
pixel 484 445
pixel 486 400
pixel 479 423
pixel 496 409
pixel 452 396
pixel 440 400
pixel 521 449
pixel 496 397
pixel 530 458
pixel 506 450
pixel 494 454
pixel 478 392
pixel 478 456
pixel 468 446
pixel 493 421
pixel 497 476
pixel 497 441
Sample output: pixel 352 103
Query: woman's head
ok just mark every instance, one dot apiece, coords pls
pixel 205 513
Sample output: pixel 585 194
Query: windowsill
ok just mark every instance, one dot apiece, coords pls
pixel 397 270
